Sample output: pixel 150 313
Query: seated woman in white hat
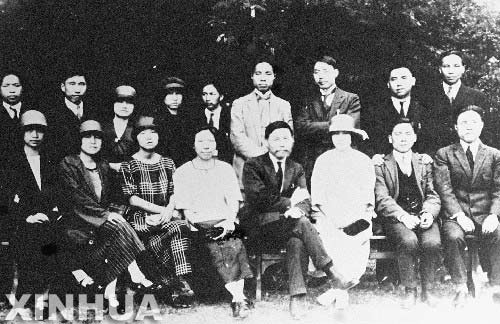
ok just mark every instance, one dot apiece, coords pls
pixel 342 188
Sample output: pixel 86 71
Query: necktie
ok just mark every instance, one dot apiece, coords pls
pixel 79 112
pixel 470 158
pixel 211 120
pixel 279 175
pixel 448 94
pixel 15 113
pixel 402 110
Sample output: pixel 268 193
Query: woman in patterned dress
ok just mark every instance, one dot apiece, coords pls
pixel 148 186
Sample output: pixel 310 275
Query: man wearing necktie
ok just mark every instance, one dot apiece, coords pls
pixel 380 117
pixel 278 206
pixel 314 117
pixel 408 206
pixel 467 178
pixel 216 113
pixel 251 114
pixel 65 115
pixel 445 99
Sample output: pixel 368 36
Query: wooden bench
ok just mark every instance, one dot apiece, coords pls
pixel 378 250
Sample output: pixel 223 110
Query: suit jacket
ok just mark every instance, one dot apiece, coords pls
pixel 439 125
pixel 314 119
pixel 477 193
pixel 387 187
pixel 266 203
pixel 248 125
pixel 115 149
pixel 379 120
pixel 224 146
pixel 64 129
pixel 81 208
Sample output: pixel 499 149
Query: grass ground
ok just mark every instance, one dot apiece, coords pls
pixel 369 304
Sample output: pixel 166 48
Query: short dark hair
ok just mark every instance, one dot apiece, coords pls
pixel 477 109
pixel 276 125
pixel 72 71
pixel 403 120
pixel 328 60
pixel 396 66
pixel 270 62
pixel 217 85
pixel 453 52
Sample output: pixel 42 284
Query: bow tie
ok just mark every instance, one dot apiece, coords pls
pixel 263 96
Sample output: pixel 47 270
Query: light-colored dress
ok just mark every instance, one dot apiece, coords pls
pixel 342 184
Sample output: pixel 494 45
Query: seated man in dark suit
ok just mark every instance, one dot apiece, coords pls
pixel 276 193
pixel 407 203
pixel 467 178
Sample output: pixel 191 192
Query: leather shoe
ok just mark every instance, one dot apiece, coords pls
pixel 409 298
pixel 460 299
pixel 240 309
pixel 428 298
pixel 298 306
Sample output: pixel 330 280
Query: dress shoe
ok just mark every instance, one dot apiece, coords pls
pixel 240 309
pixel 409 298
pixel 460 299
pixel 298 306
pixel 428 298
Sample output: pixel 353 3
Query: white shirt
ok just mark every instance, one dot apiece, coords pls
pixel 397 104
pixel 276 167
pixel 403 160
pixel 329 93
pixel 454 89
pixel 474 147
pixel 34 162
pixel 17 107
pixel 216 117
pixel 74 107
pixel 120 126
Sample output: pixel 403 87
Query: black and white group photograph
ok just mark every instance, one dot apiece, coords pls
pixel 250 161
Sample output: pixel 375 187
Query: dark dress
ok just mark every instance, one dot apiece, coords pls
pixel 101 248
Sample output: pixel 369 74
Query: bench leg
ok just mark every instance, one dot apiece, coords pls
pixel 258 278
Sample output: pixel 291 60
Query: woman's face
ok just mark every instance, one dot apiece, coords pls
pixel 91 143
pixel 33 136
pixel 123 108
pixel 205 145
pixel 341 140
pixel 148 139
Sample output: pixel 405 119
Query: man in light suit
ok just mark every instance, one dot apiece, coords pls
pixel 251 114
pixel 314 118
pixel 467 178
pixel 408 205
pixel 278 206
pixel 444 100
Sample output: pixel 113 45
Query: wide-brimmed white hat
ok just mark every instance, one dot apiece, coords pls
pixel 345 123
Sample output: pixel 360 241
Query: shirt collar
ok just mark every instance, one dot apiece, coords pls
pixel 474 146
pixel 275 162
pixel 454 87
pixel 216 111
pixel 329 91
pixel 72 105
pixel 264 96
pixel 17 106
pixel 398 156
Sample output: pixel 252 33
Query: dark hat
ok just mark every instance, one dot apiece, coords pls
pixel 173 83
pixel 125 92
pixel 90 126
pixel 144 122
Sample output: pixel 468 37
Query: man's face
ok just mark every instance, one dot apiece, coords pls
pixel 452 69
pixel 469 126
pixel 173 99
pixel 324 75
pixel 401 81
pixel 205 145
pixel 11 89
pixel 33 136
pixel 263 77
pixel 91 144
pixel 280 143
pixel 74 88
pixel 211 96
pixel 148 139
pixel 123 108
pixel 403 137
pixel 342 140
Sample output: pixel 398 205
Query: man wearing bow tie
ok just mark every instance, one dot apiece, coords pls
pixel 251 114
pixel 313 120
pixel 467 178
